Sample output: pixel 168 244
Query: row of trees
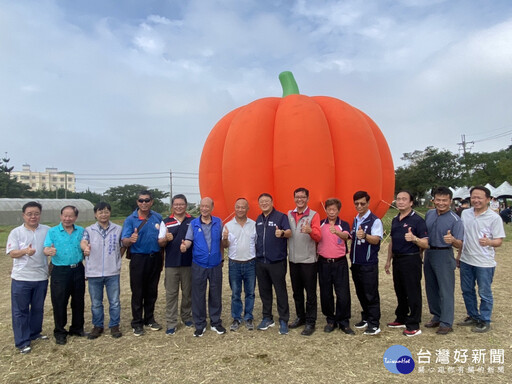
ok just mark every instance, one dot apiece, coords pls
pixel 434 167
pixel 423 170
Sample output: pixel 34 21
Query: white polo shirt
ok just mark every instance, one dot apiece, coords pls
pixel 28 268
pixel 489 224
pixel 242 240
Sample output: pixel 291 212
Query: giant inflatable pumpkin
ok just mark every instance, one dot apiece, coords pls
pixel 276 145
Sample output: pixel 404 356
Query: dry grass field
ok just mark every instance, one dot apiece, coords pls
pixel 256 356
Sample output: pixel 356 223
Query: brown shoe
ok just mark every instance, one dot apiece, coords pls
pixel 444 330
pixel 95 333
pixel 432 324
pixel 115 332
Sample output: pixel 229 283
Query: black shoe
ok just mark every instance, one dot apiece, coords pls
pixel 296 323
pixel 347 330
pixel 329 327
pixel 308 330
pixel 78 333
pixel 467 322
pixel 115 332
pixel 361 324
pixel 61 340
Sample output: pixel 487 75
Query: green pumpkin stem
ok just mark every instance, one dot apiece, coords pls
pixel 288 83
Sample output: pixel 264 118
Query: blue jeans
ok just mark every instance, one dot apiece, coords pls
pixel 112 286
pixel 242 273
pixel 469 275
pixel 27 303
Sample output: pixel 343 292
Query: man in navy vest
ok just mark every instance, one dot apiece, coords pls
pixel 366 235
pixel 205 232
pixel 177 265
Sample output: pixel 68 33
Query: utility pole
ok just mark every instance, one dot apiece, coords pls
pixel 170 188
pixel 464 145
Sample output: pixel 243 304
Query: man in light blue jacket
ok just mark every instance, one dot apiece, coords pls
pixel 101 243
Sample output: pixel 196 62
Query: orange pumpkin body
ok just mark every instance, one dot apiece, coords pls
pixel 276 145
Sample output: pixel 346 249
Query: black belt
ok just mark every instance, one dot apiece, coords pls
pixel 241 262
pixel 440 248
pixel 330 260
pixel 405 254
pixel 69 266
pixel 147 254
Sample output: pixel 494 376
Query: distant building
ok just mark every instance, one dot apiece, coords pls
pixel 51 179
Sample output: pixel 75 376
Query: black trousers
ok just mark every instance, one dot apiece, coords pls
pixel 366 281
pixel 144 277
pixel 67 282
pixel 304 279
pixel 333 276
pixel 407 272
pixel 269 275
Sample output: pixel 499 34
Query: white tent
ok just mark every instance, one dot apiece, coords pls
pixel 504 190
pixel 461 193
pixel 490 188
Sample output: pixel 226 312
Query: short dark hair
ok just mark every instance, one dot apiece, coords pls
pixel 101 206
pixel 75 209
pixel 179 196
pixel 481 188
pixel 32 204
pixel 333 201
pixel 264 194
pixel 145 192
pixel 361 194
pixel 411 196
pixel 301 189
pixel 443 191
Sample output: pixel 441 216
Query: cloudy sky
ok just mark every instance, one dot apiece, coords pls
pixel 122 91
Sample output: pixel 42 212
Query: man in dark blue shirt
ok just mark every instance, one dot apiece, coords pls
pixel 408 237
pixel 272 232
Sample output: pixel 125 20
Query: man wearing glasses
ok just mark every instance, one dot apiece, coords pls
pixel 29 277
pixel 305 227
pixel 140 233
pixel 367 232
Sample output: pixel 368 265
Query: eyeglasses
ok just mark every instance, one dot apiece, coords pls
pixel 37 214
pixel 360 204
pixel 144 200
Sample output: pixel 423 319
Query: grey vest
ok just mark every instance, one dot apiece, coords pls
pixel 105 257
pixel 301 247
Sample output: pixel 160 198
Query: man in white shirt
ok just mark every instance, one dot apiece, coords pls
pixel 483 231
pixel 29 277
pixel 239 236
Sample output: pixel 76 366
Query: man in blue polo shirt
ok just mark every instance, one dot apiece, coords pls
pixel 62 243
pixel 408 237
pixel 140 233
pixel 205 232
pixel 445 230
pixel 272 233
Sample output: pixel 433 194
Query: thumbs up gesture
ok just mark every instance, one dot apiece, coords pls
pixel 87 250
pixel 332 229
pixel 30 250
pixel 409 236
pixel 50 251
pixel 169 236
pixel 134 237
pixel 306 227
pixel 279 232
pixel 183 246
pixel 448 238
pixel 225 233
pixel 360 234
pixel 484 241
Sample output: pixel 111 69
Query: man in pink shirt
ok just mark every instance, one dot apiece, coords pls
pixel 333 269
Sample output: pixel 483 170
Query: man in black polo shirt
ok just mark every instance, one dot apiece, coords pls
pixel 408 237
